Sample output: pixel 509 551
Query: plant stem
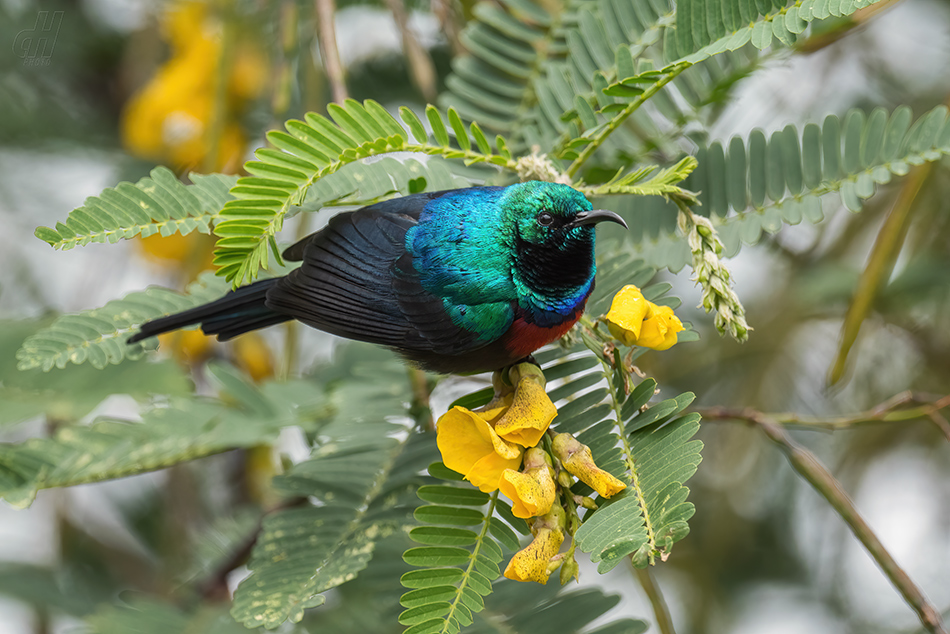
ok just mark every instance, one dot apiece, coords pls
pixel 809 467
pixel 660 610
pixel 325 10
pixel 887 412
pixel 887 246
pixel 219 99
pixel 622 116
pixel 421 68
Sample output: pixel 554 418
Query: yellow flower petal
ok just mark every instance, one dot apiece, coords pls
pixel 659 328
pixel 531 564
pixel 470 446
pixel 626 314
pixel 577 459
pixel 531 493
pixel 531 410
pixel 638 322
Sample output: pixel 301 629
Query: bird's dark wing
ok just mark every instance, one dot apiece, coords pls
pixel 409 206
pixel 351 285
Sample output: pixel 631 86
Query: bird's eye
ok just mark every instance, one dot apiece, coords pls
pixel 545 219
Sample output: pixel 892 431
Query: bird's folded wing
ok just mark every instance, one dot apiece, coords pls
pixel 348 286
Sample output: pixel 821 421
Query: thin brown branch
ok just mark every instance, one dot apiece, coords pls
pixel 421 68
pixel 446 15
pixel 893 410
pixel 809 467
pixel 660 610
pixel 328 49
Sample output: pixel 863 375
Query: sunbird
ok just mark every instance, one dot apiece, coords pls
pixel 457 281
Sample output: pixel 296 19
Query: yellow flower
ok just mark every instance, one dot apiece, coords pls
pixel 578 461
pixel 534 563
pixel 659 328
pixel 531 410
pixel 636 321
pixel 470 446
pixel 187 346
pixel 170 118
pixel 252 355
pixel 531 491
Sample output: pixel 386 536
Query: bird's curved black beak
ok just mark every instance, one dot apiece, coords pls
pixel 597 215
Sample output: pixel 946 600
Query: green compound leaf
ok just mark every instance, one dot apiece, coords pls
pixel 650 449
pixel 758 185
pixel 364 476
pixel 188 428
pixel 710 27
pixel 159 203
pixel 458 565
pixel 99 335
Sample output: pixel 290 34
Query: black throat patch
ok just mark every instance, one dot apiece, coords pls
pixel 556 267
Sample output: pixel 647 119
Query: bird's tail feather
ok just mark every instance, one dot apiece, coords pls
pixel 240 311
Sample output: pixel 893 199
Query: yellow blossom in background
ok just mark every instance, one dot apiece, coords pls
pixel 531 410
pixel 170 118
pixel 578 461
pixel 537 561
pixel 252 355
pixel 636 321
pixel 190 347
pixel 532 491
pixel 469 445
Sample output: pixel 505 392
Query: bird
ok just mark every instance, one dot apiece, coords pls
pixel 457 281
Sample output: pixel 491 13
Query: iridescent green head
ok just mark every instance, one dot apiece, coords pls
pixel 554 243
pixel 551 213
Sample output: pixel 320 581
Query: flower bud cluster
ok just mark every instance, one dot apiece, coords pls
pixel 711 273
pixel 499 447
pixel 538 167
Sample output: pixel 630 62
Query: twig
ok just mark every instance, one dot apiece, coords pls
pixel 328 49
pixel 421 68
pixel 219 99
pixel 660 610
pixel 808 466
pixel 890 411
pixel 445 13
pixel 622 116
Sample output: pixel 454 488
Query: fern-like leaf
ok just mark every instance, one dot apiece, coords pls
pixel 98 335
pixel 648 447
pixel 507 42
pixel 68 396
pixel 529 607
pixel 709 27
pixel 760 184
pixel 655 456
pixel 459 557
pixel 362 475
pixel 283 175
pixel 185 430
pixel 159 203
